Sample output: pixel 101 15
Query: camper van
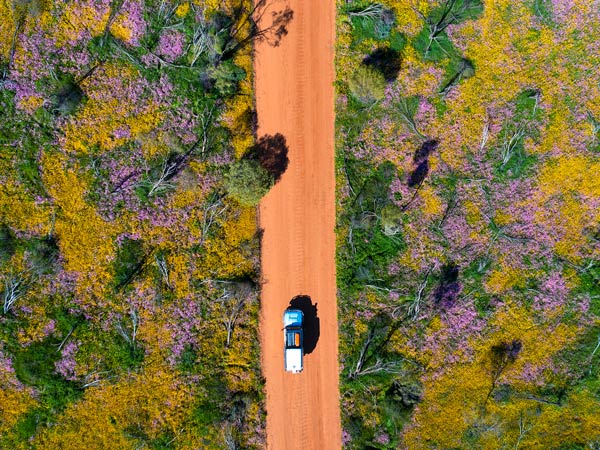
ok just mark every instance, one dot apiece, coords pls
pixel 293 320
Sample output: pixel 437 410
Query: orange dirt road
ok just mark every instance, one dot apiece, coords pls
pixel 294 96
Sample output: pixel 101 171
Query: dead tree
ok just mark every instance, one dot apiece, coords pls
pixel 163 268
pixel 215 208
pixel 14 288
pixel 232 301
pixel 380 333
pixel 129 334
pixel 453 11
pixel 465 70
pixel 174 164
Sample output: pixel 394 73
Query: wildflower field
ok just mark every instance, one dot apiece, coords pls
pixel 468 223
pixel 128 265
pixel 468 171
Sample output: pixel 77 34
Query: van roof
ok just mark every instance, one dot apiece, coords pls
pixel 293 360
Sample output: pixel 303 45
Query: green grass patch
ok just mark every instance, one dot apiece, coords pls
pixel 542 9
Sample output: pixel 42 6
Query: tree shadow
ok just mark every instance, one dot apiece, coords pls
pixel 386 61
pixel 312 327
pixel 271 152
pixel 277 29
pixel 252 24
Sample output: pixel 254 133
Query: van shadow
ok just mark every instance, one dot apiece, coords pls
pixel 312 327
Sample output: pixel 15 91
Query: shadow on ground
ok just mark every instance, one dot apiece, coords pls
pixel 271 152
pixel 312 328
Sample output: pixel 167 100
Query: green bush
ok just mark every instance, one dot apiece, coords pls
pixel 226 77
pixel 34 366
pixel 248 182
pixel 34 8
pixel 367 85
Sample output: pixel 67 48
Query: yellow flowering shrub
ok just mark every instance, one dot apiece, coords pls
pixel 408 14
pixel 432 204
pixel 152 401
pixel 211 6
pixel 565 179
pixel 504 278
pixel 7 27
pixel 14 401
pixel 97 123
pixel 182 10
pixel 225 256
pixel 458 401
pixel 85 240
pixel 19 211
pixel 76 18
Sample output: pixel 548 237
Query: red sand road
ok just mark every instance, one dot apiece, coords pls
pixel 294 92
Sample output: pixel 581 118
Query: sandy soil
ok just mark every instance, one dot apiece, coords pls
pixel 294 89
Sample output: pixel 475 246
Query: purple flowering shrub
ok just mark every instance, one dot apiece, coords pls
pixel 171 45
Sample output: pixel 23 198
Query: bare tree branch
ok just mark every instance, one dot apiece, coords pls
pixel 14 288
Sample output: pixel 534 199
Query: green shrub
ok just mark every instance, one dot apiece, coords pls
pixel 34 8
pixel 34 366
pixel 226 77
pixel 367 85
pixel 391 219
pixel 248 182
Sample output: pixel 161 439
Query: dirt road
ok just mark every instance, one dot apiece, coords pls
pixel 294 89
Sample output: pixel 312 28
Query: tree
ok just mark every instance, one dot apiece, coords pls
pixel 367 85
pixel 425 150
pixel 68 94
pixel 465 70
pixel 391 219
pixel 248 182
pixel 14 288
pixel 232 303
pixel 43 254
pixel 375 16
pixel 8 243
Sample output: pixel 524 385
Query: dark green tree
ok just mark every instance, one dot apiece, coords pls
pixel 247 181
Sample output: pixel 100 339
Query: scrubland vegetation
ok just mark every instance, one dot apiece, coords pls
pixel 468 223
pixel 468 201
pixel 128 263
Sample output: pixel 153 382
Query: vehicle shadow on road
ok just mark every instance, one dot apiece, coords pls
pixel 312 327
